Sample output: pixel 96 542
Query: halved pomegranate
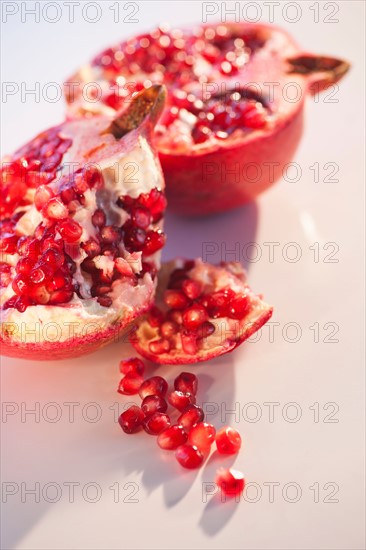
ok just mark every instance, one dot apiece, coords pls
pixel 234 113
pixel 81 232
pixel 201 311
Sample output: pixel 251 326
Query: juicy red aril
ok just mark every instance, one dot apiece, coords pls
pixel 202 435
pixel 175 299
pixel 99 218
pixel 238 307
pixel 91 247
pixel 104 301
pixel 155 240
pixel 24 266
pixel 168 329
pixel 194 317
pixel 230 481
pixel 189 343
pixel 191 416
pixel 134 237
pixel 228 441
pixel 216 303
pixel 192 289
pixel 131 419
pixel 42 195
pixel 109 234
pixel 180 400
pixel 20 284
pixel 189 456
pixel 141 217
pixel 156 385
pixel 186 382
pixel 130 384
pixel 157 347
pixel 70 231
pixel 156 423
pixel 153 403
pixel 55 210
pixel 171 438
pixel 134 365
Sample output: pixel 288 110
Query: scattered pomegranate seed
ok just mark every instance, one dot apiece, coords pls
pixel 189 456
pixel 186 382
pixel 230 481
pixel 153 403
pixel 131 419
pixel 202 435
pixel 180 400
pixel 156 385
pixel 132 365
pixel 171 438
pixel 228 441
pixel 130 384
pixel 156 423
pixel 191 416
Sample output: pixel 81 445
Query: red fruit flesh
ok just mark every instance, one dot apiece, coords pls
pixel 223 114
pixel 228 441
pixel 66 220
pixel 152 404
pixel 190 416
pixel 186 382
pixel 156 385
pixel 225 313
pixel 189 456
pixel 130 384
pixel 134 365
pixel 131 419
pixel 172 438
pixel 202 435
pixel 230 481
pixel 180 400
pixel 156 423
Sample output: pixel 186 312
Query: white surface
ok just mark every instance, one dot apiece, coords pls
pixel 170 512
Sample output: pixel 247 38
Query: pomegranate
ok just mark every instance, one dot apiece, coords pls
pixel 234 113
pixel 228 441
pixel 224 314
pixel 79 239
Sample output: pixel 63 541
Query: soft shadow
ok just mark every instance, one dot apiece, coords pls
pixel 215 238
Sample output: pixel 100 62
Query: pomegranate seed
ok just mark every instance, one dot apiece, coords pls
pixel 55 209
pixel 191 416
pixel 104 301
pixel 217 302
pixel 42 195
pixel 155 240
pixel 230 481
pixel 175 299
pixel 123 267
pixel 61 296
pixel 186 382
pixel 157 347
pixel 180 400
pixel 156 423
pixel 168 329
pixel 189 456
pixel 130 384
pixel 194 317
pixel 141 217
pixel 131 419
pixel 91 247
pixel 202 435
pixel 192 289
pixel 134 237
pixel 109 234
pixel 152 404
pixel 22 303
pixel 156 385
pixel 238 307
pixel 228 441
pixel 206 330
pixel 189 343
pixel 99 218
pixel 171 438
pixel 70 231
pixel 20 284
pixel 8 243
pixel 134 365
pixel 24 266
pixel 155 317
pixel 53 259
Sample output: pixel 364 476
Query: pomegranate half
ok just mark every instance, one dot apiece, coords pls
pixel 81 232
pixel 202 311
pixel 234 114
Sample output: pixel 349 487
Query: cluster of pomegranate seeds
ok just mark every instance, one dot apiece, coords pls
pixel 190 437
pixel 186 320
pixel 185 61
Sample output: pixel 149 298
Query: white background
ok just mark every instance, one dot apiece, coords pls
pixel 171 512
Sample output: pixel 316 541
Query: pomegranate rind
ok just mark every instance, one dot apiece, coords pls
pixel 229 334
pixel 82 325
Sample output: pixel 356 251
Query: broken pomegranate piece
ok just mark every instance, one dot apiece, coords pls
pixel 223 314
pixel 236 93
pixel 80 241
